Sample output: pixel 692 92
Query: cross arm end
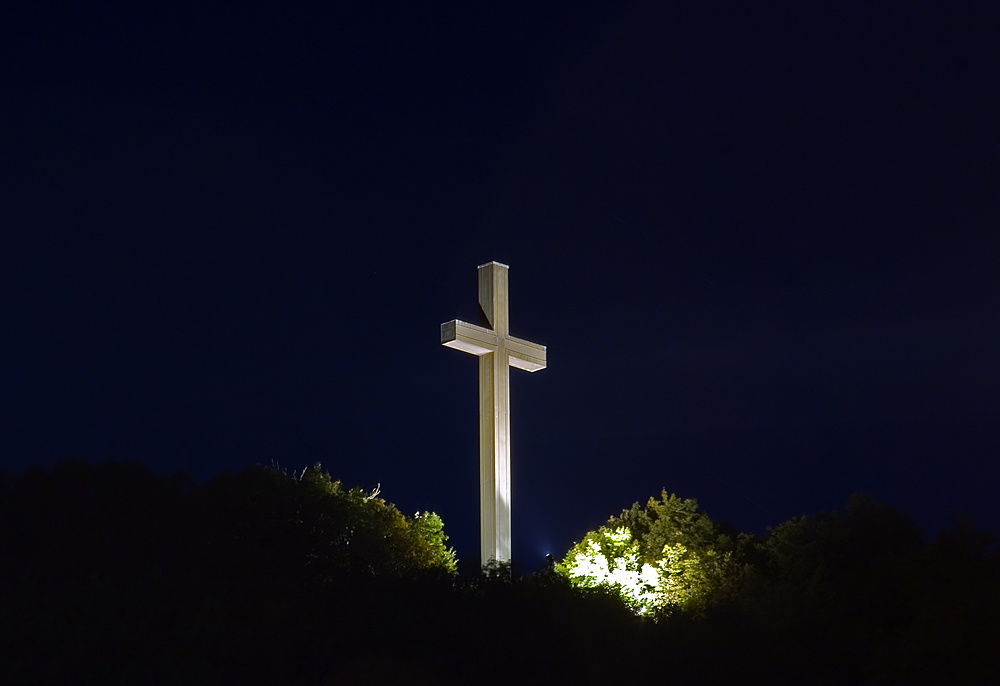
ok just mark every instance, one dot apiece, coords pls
pixel 526 355
pixel 468 337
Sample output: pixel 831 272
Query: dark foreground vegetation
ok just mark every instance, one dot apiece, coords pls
pixel 110 574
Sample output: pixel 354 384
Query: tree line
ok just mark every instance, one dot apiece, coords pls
pixel 110 574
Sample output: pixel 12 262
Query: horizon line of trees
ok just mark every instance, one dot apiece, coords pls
pixel 112 574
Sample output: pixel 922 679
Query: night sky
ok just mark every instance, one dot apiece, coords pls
pixel 760 241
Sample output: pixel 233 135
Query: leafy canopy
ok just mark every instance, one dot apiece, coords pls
pixel 315 522
pixel 659 558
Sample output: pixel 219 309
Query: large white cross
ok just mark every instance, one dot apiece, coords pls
pixel 497 351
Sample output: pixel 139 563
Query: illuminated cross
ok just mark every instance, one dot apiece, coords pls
pixel 497 351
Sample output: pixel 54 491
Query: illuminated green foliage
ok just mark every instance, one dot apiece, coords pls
pixel 367 530
pixel 609 558
pixel 429 529
pixel 659 558
pixel 311 523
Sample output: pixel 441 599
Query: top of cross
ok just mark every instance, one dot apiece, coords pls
pixel 480 340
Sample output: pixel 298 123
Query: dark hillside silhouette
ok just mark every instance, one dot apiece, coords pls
pixel 111 574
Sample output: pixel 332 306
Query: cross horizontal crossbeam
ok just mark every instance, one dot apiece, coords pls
pixel 479 340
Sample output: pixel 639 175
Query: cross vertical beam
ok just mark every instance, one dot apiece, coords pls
pixel 494 420
pixel 497 351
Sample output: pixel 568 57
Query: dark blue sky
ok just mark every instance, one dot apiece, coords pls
pixel 759 239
